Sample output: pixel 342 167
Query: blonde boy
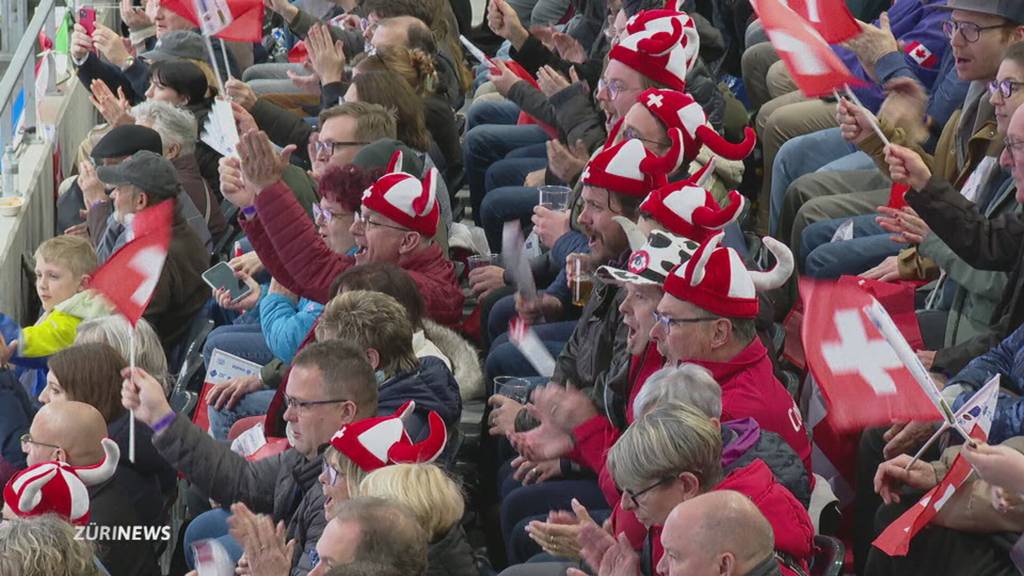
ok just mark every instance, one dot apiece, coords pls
pixel 64 266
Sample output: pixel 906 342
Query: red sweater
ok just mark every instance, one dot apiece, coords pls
pixel 297 257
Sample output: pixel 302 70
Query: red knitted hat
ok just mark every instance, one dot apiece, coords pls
pixel 631 169
pixel 689 210
pixel 679 110
pixel 662 45
pixel 374 443
pixel 715 278
pixel 404 199
pixel 59 488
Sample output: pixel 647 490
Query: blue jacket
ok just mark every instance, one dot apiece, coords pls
pixel 285 324
pixel 914 23
pixel 1007 360
pixel 432 387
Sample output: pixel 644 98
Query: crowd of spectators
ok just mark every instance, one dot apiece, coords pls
pixel 641 183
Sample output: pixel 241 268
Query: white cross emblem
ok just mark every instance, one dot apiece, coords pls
pixel 148 262
pixel 805 60
pixel 655 100
pixel 855 354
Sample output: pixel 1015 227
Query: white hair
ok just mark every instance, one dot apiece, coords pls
pixel 116 331
pixel 686 383
pixel 175 125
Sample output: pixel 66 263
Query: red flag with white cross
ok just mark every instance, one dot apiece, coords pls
pixel 129 277
pixel 831 18
pixel 976 416
pixel 814 67
pixel 860 374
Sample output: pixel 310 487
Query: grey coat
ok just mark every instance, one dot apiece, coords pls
pixel 284 486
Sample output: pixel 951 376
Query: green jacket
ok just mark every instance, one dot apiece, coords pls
pixel 56 330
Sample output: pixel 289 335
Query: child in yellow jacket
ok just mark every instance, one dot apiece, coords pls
pixel 63 267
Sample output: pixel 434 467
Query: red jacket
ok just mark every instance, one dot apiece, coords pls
pixel 751 390
pixel 289 246
pixel 794 532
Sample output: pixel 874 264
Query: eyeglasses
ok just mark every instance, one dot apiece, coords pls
pixel 1005 88
pixel 365 221
pixel 970 31
pixel 615 87
pixel 330 148
pixel 307 404
pixel 667 322
pixel 327 215
pixel 331 473
pixel 630 133
pixel 26 438
pixel 1013 145
pixel 634 495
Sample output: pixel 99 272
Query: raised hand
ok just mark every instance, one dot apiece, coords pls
pixel 326 56
pixel 261 165
pixel 116 110
pixel 907 167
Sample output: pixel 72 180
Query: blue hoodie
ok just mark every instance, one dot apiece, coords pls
pixel 432 387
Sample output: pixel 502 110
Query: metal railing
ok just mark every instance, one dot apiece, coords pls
pixel 19 75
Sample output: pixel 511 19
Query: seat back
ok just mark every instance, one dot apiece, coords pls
pixel 829 555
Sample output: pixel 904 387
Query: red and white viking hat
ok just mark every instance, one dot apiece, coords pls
pixel 58 487
pixel 662 45
pixel 690 210
pixel 678 109
pixel 404 199
pixel 631 169
pixel 716 280
pixel 376 442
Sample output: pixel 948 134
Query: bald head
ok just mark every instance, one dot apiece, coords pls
pixel 67 430
pixel 1012 158
pixel 721 532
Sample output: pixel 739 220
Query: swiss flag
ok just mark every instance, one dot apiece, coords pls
pixel 863 380
pixel 130 276
pixel 524 118
pixel 231 20
pixel 831 18
pixel 815 68
pixel 975 415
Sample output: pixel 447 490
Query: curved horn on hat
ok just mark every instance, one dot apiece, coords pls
pixel 427 450
pixel 672 5
pixel 701 256
pixel 669 163
pixel 778 275
pixel 32 493
pixel 405 409
pixel 92 475
pixel 633 232
pixel 421 205
pixel 395 163
pixel 660 43
pixel 724 148
pixel 718 219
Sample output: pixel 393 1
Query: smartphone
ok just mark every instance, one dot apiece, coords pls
pixel 222 276
pixel 87 18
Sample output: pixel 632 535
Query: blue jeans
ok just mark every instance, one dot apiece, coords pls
pixel 243 340
pixel 252 404
pixel 804 155
pixel 211 524
pixel 505 360
pixel 823 258
pixel 492 133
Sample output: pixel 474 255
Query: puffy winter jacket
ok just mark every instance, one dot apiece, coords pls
pixel 432 387
pixel 56 330
pixel 286 323
pixel 297 257
pixel 743 441
pixel 284 485
pixel 794 532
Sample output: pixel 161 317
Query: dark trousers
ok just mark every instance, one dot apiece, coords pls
pixel 938 551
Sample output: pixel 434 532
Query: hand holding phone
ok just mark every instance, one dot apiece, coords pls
pixel 87 18
pixel 222 277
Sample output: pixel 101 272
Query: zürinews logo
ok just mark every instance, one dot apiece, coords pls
pixel 95 533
